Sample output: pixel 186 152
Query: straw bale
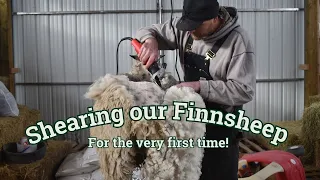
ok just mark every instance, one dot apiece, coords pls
pixel 294 135
pixel 311 131
pixel 5 80
pixel 43 169
pixel 314 99
pixel 13 128
pixel 305 132
pixel 6 173
pixel 32 118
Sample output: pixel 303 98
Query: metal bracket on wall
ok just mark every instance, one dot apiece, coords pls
pixel 14 70
pixel 304 67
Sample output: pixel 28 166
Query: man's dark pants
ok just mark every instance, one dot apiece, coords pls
pixel 221 163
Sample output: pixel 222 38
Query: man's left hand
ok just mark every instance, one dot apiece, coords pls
pixel 194 84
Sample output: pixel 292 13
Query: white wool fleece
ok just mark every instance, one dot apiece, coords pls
pixel 233 70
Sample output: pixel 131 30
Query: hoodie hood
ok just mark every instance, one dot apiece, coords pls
pixel 230 16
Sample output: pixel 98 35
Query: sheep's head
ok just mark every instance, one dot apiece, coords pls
pixel 138 73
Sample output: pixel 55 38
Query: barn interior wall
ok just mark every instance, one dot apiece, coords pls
pixel 61 55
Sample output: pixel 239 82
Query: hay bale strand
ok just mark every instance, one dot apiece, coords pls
pixel 302 132
pixel 13 128
pixel 7 174
pixel 294 135
pixel 32 118
pixel 314 99
pixel 310 131
pixel 5 80
pixel 43 169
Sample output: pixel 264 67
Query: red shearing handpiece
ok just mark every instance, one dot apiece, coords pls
pixel 137 45
pixel 154 68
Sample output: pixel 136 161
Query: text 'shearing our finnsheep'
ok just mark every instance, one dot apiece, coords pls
pixel 116 118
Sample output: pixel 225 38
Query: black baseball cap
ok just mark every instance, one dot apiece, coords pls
pixel 195 12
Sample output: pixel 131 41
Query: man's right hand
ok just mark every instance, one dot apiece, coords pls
pixel 149 52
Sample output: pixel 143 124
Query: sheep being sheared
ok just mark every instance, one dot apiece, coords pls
pixel 135 89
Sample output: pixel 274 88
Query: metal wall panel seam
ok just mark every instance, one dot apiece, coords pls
pixel 77 65
pixel 50 57
pixel 296 90
pixel 84 12
pixel 147 11
pixel 65 89
pixel 281 93
pixel 88 83
pixel 37 60
pixel 159 11
pixel 252 10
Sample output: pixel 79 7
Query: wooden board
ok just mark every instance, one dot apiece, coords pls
pixel 311 49
pixel 313 173
pixel 250 145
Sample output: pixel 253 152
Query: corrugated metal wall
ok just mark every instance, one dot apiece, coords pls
pixel 56 53
pixel 60 55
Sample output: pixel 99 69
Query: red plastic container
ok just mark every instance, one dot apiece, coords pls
pixel 293 168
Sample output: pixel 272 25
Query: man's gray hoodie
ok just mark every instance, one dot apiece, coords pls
pixel 232 70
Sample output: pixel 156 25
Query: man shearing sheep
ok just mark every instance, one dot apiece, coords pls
pixel 217 58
